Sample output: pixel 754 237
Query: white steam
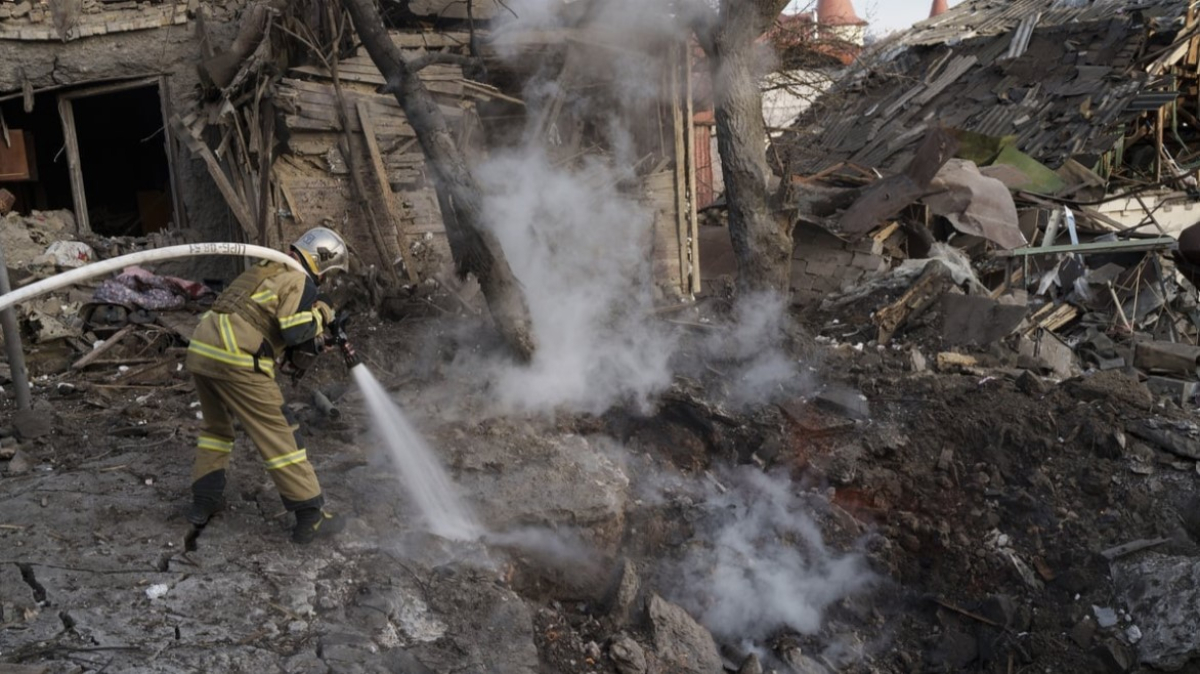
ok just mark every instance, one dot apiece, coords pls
pixel 759 563
pixel 569 207
pixel 750 350
pixel 580 247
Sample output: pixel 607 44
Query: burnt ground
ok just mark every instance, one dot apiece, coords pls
pixel 980 500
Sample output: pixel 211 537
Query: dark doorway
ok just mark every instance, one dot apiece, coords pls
pixel 123 159
pixel 99 151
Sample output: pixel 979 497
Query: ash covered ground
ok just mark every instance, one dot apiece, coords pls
pixel 860 515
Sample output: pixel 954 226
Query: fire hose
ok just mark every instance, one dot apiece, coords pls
pixel 153 255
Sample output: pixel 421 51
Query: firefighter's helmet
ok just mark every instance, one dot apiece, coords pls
pixel 322 250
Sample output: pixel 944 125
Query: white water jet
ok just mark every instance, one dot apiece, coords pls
pixel 421 474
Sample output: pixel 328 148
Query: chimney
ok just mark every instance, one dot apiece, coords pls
pixel 837 13
pixel 939 7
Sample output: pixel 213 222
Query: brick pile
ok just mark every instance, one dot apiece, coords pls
pixel 824 264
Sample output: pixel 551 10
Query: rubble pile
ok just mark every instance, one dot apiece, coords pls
pixel 973 448
pixel 1032 537
pixel 73 328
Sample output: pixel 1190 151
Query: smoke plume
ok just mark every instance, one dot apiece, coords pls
pixel 579 246
pixel 758 563
pixel 579 232
pixel 751 349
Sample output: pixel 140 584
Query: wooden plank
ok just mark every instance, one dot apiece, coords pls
pixel 1052 318
pixel 104 348
pixel 481 10
pixel 314 92
pixel 266 148
pixel 291 200
pixel 66 113
pixel 364 69
pixel 487 91
pixel 179 217
pixel 681 153
pixel 933 282
pixel 367 78
pixel 404 177
pixel 1128 246
pixel 443 89
pixel 432 73
pixel 430 40
pixel 385 189
pixel 406 160
pixel 425 215
pixel 313 143
pixel 197 147
pixel 690 145
pixel 385 105
pixel 112 88
pixel 329 122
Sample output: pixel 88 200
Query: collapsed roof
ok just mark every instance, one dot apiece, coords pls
pixel 1059 77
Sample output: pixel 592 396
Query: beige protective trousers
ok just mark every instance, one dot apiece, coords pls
pixel 258 405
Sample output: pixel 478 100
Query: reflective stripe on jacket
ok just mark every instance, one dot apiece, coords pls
pixel 266 309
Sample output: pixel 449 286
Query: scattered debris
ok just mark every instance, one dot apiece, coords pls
pixel 1161 593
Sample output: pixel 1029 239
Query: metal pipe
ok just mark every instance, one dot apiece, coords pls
pixel 153 255
pixel 12 342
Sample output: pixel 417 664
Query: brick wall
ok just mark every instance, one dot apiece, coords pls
pixel 823 264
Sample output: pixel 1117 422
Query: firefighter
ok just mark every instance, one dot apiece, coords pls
pixel 270 312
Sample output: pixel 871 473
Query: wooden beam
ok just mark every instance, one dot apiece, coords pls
pixel 113 88
pixel 291 200
pixel 235 203
pixel 933 282
pixel 385 193
pixel 1129 246
pixel 681 155
pixel 179 216
pixel 66 112
pixel 108 344
pixel 690 143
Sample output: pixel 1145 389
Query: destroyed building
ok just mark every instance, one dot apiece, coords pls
pixel 332 124
pixel 85 93
pixel 972 447
pixel 276 132
pixel 1087 102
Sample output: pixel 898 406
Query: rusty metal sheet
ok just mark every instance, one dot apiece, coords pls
pixel 976 204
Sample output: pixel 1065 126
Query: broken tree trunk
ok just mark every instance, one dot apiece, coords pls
pixel 762 241
pixel 219 71
pixel 475 249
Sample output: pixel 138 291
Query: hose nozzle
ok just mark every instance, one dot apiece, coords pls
pixel 349 355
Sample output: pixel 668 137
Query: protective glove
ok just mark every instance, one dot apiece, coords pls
pixel 324 312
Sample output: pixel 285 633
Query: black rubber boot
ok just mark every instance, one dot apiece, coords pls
pixel 203 508
pixel 314 523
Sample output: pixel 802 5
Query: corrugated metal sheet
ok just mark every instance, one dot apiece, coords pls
pixel 1152 101
pixel 705 191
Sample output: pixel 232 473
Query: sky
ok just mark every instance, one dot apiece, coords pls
pixel 888 15
pixel 885 15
